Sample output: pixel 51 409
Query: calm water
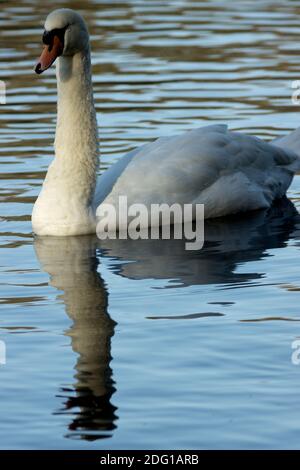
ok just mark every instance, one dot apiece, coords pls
pixel 142 344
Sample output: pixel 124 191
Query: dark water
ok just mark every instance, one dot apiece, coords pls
pixel 141 344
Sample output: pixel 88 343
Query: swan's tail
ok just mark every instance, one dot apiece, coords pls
pixel 291 142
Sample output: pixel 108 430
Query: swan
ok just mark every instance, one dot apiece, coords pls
pixel 229 172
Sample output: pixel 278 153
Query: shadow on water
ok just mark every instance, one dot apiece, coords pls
pixel 72 265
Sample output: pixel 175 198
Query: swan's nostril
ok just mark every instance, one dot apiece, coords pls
pixel 38 68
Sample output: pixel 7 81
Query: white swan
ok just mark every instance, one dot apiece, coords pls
pixel 228 172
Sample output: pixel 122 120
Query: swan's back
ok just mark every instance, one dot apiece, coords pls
pixel 227 171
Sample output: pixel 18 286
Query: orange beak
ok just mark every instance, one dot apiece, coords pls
pixel 49 54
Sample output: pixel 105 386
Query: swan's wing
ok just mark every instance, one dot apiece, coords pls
pixel 108 179
pixel 227 171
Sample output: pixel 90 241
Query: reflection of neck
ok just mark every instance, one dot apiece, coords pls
pixel 72 266
pixel 86 304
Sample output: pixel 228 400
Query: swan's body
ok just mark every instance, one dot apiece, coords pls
pixel 228 172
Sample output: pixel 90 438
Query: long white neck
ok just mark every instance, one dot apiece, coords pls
pixel 76 140
pixel 64 206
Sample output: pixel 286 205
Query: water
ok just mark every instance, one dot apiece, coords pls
pixel 142 344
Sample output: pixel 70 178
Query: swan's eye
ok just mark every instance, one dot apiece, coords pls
pixel 48 36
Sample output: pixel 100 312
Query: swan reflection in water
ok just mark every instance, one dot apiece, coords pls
pixel 229 242
pixel 72 265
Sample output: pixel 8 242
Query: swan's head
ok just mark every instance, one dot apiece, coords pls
pixel 65 34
